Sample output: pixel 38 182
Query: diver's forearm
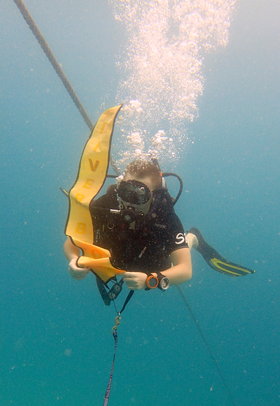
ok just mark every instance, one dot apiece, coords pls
pixel 178 274
pixel 181 269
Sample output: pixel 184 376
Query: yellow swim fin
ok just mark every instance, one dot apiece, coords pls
pixel 215 260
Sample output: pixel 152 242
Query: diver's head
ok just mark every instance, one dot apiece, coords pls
pixel 144 171
pixel 140 179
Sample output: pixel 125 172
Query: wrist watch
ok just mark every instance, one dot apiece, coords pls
pixel 151 282
pixel 159 281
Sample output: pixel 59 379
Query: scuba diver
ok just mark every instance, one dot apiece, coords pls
pixel 132 230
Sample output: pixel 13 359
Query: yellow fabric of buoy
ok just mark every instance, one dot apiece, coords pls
pixel 90 179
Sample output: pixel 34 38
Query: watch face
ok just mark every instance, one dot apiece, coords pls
pixel 153 282
pixel 164 283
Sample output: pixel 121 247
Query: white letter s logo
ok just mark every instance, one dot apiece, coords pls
pixel 180 238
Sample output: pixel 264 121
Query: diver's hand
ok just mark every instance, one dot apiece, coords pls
pixel 135 280
pixel 76 271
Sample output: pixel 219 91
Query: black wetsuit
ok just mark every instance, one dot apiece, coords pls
pixel 148 246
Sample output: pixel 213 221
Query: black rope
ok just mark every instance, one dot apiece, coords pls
pixel 44 45
pixel 197 325
pixel 115 336
pixel 109 385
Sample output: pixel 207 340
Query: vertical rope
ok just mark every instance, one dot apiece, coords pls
pixel 109 385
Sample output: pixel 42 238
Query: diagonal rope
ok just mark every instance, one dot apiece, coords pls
pixel 44 45
pixel 48 52
pixel 205 341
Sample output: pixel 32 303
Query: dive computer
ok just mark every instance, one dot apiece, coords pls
pixel 163 282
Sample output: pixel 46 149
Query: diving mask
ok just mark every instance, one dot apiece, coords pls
pixel 134 195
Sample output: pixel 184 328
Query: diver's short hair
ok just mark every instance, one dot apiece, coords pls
pixel 141 168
